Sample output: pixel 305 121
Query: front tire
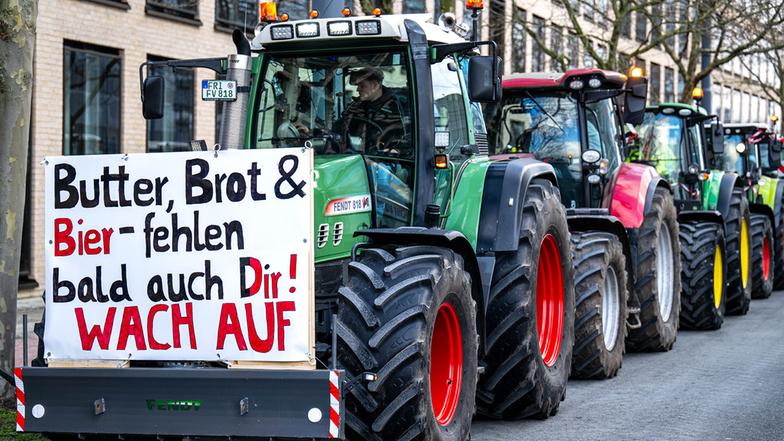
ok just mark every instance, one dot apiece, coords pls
pixel 738 234
pixel 658 282
pixel 407 315
pixel 601 293
pixel 761 257
pixel 530 315
pixel 703 268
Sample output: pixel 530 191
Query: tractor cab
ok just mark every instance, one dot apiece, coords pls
pixel 679 140
pixel 748 151
pixel 573 121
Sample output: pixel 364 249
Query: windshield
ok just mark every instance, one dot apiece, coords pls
pixel 344 105
pixel 731 159
pixel 545 126
pixel 764 155
pixel 663 144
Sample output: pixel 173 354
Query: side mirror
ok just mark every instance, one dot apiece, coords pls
pixel 484 80
pixel 152 97
pixel 717 138
pixel 635 100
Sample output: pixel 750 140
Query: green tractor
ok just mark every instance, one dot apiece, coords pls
pixel 713 212
pixel 754 153
pixel 445 286
pixel 622 217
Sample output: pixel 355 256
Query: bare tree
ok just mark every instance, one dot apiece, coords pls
pixel 774 66
pixel 735 28
pixel 17 40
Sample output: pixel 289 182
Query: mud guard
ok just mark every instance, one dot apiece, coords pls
pixel 763 209
pixel 728 183
pixel 777 202
pixel 701 215
pixel 453 240
pixel 632 194
pixel 585 219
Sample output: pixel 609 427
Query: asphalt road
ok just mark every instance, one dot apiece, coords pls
pixel 720 385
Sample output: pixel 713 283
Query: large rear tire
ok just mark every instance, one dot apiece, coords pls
pixel 601 293
pixel 761 256
pixel 778 246
pixel 530 315
pixel 658 282
pixel 737 228
pixel 703 266
pixel 407 315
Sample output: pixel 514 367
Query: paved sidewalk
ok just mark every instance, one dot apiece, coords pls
pixel 34 308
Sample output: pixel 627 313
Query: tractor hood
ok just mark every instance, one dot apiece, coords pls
pixel 343 203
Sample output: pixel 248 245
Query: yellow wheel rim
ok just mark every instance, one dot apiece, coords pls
pixel 718 277
pixel 744 253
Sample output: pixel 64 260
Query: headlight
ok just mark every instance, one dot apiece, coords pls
pixel 337 28
pixel 591 156
pixel 282 32
pixel 307 30
pixel 740 148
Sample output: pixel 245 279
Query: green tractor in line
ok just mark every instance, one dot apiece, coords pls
pixel 622 217
pixel 713 211
pixel 753 151
pixel 448 286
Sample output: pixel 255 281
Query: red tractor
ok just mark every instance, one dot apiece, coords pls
pixel 622 216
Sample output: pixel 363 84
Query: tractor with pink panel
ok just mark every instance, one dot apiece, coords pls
pixel 622 216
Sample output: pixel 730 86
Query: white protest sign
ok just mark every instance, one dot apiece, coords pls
pixel 180 256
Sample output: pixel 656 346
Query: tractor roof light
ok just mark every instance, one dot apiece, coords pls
pixel 668 111
pixel 346 12
pixel 576 84
pixel 282 32
pixel 475 4
pixel 377 12
pixel 268 11
pixel 774 118
pixel 284 17
pixel 684 112
pixel 368 27
pixel 313 14
pixel 697 93
pixel 339 28
pixel 307 30
pixel 441 161
pixel 594 83
pixel 636 72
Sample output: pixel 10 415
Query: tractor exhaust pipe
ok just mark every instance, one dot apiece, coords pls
pixel 234 118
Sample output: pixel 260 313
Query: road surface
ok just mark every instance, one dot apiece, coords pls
pixel 720 385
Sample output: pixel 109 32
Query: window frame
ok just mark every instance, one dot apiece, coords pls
pixel 159 9
pixel 102 51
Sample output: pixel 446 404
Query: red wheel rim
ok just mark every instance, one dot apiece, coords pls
pixel 446 364
pixel 765 258
pixel 549 301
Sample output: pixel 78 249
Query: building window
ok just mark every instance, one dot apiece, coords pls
pixel 626 26
pixel 518 40
pixel 418 6
pixel 655 88
pixel 174 131
pixel 537 54
pixel 726 105
pixel 588 10
pixel 182 9
pixel 587 58
pixel 92 89
pixel 556 44
pixel 574 51
pixel 601 52
pixel 575 4
pixel 601 11
pixel 236 14
pixel 641 27
pixel 669 84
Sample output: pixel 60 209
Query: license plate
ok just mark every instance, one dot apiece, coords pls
pixel 218 90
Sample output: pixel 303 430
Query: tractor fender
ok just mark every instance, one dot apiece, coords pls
pixel 756 208
pixel 506 184
pixel 451 239
pixel 587 219
pixel 701 215
pixel 632 193
pixel 777 202
pixel 728 183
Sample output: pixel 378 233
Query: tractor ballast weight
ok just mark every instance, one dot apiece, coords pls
pixel 557 118
pixel 459 260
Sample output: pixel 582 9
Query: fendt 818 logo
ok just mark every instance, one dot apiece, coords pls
pixel 174 405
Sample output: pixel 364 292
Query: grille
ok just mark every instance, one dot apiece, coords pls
pixel 323 235
pixel 337 233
